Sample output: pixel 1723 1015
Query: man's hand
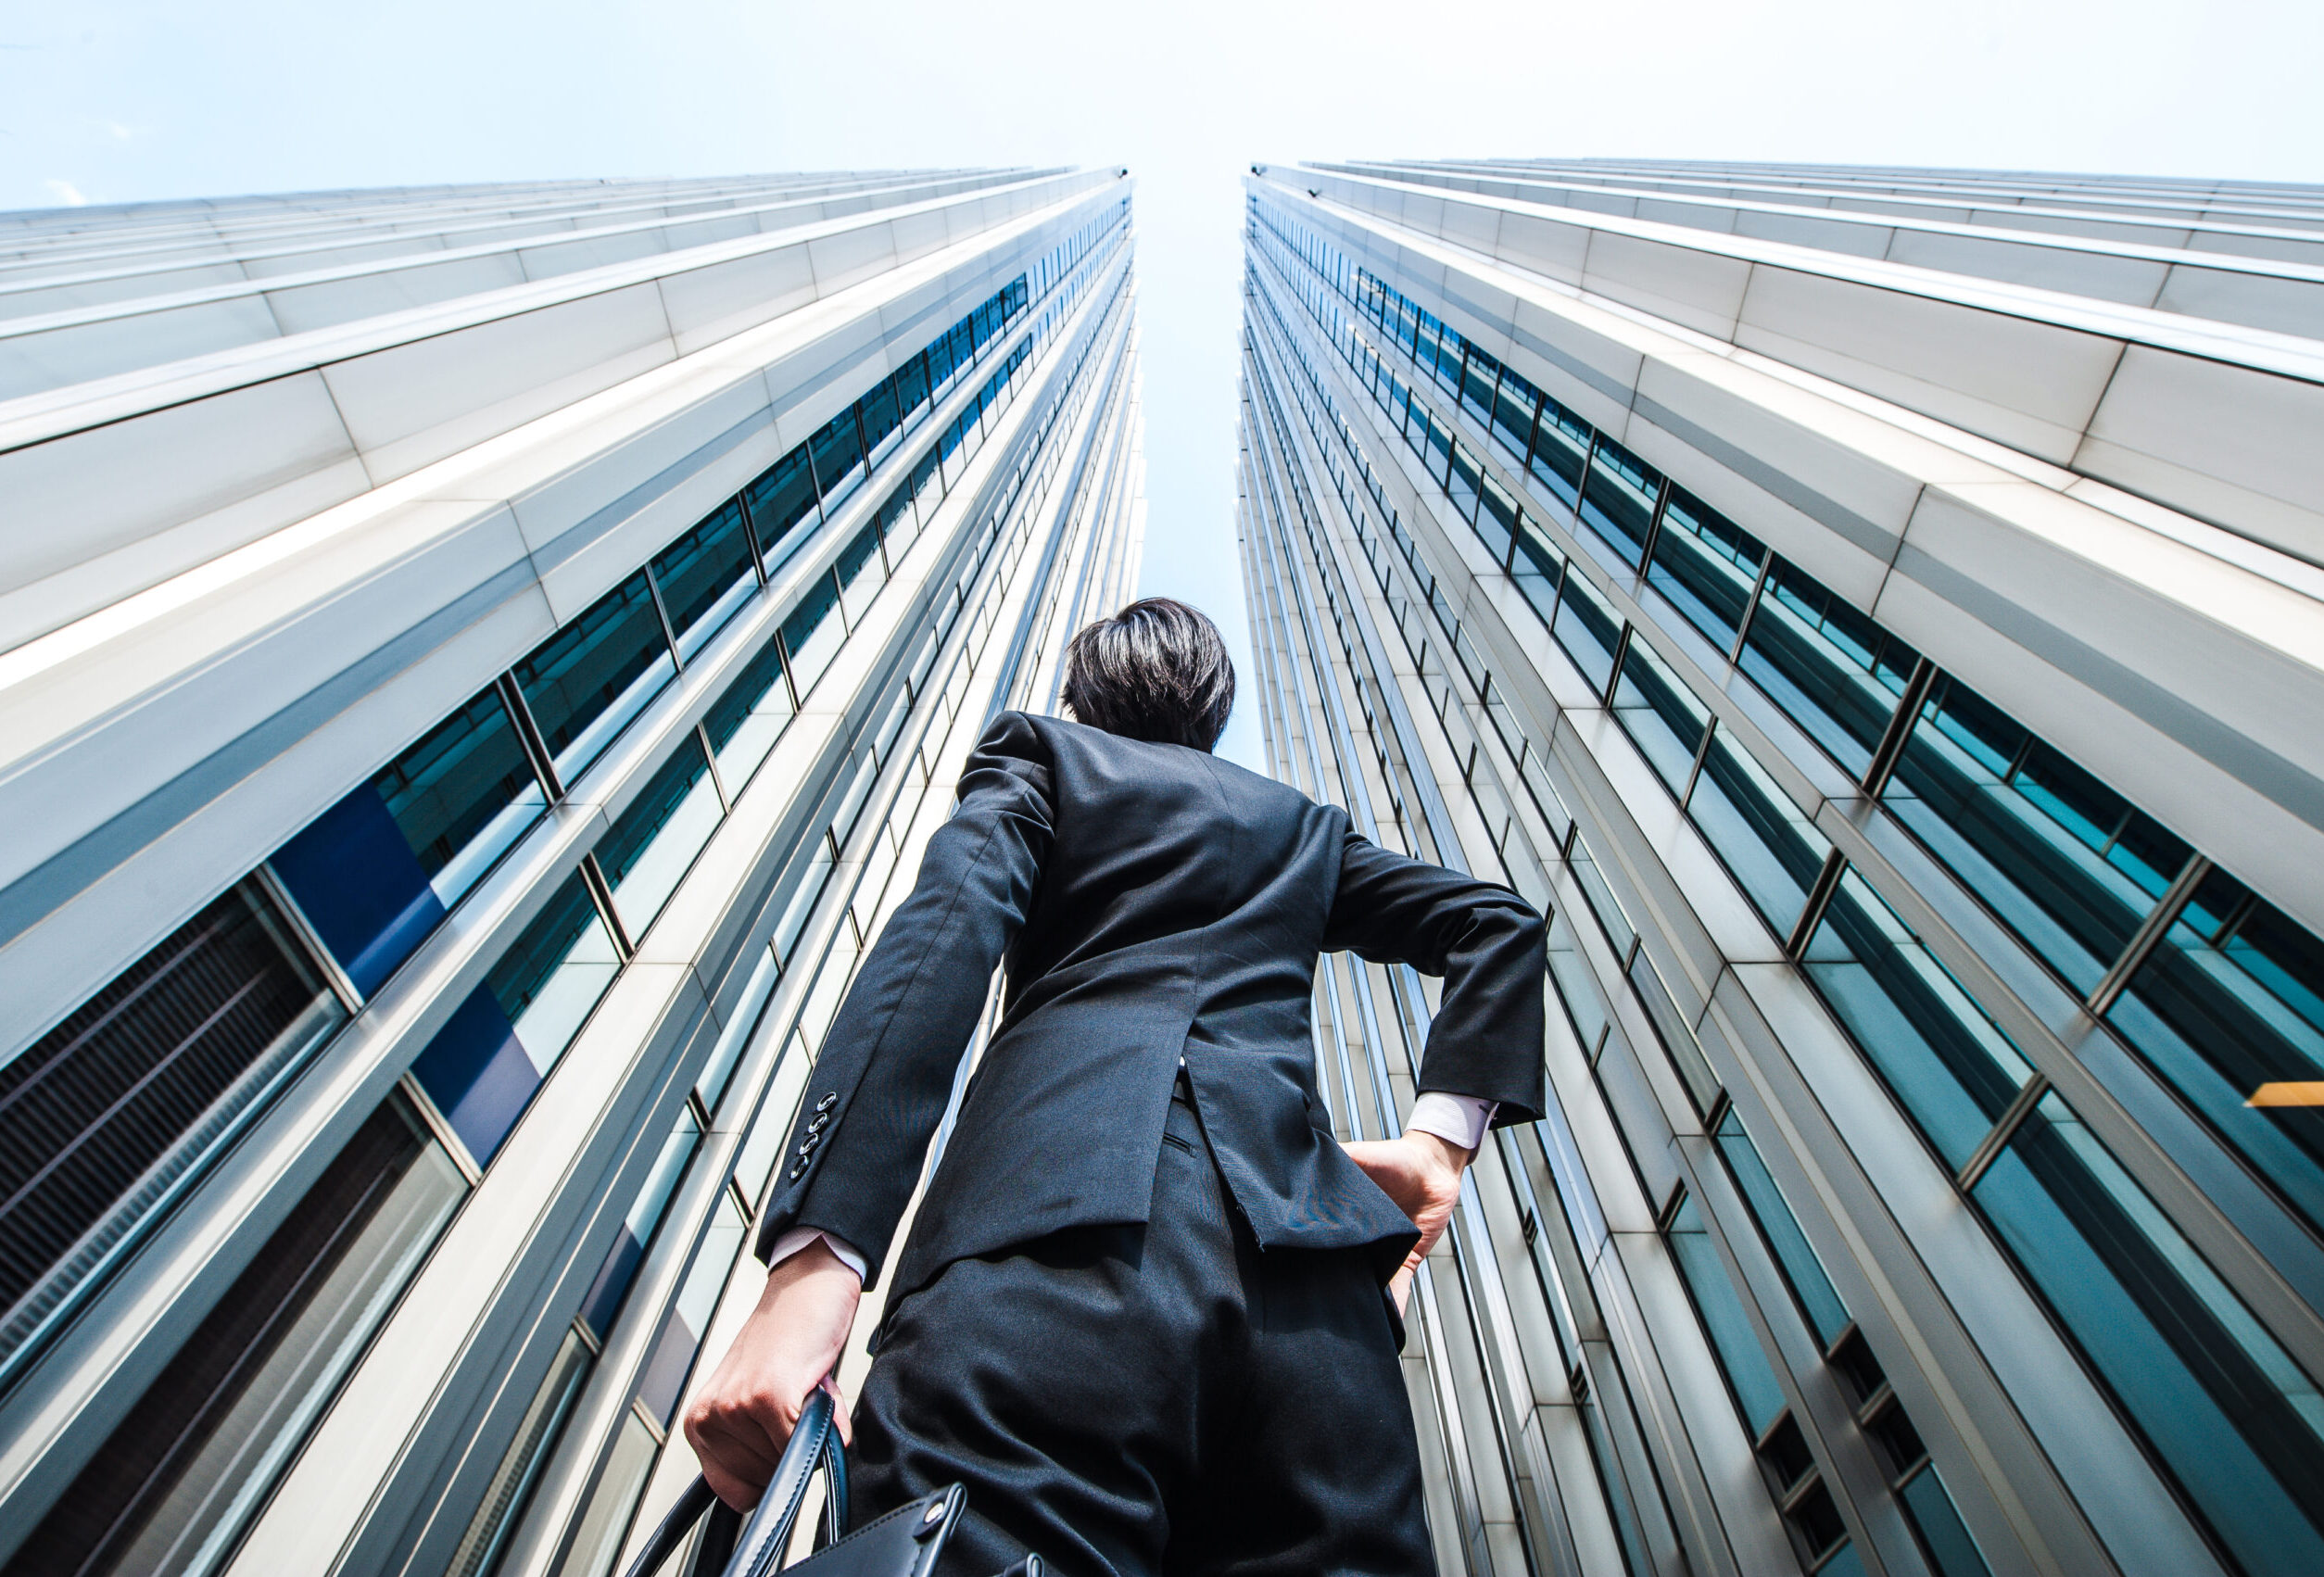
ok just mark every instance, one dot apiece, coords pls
pixel 792 1342
pixel 1422 1173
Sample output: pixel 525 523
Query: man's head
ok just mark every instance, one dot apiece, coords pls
pixel 1157 671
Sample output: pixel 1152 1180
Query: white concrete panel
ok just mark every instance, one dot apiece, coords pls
pixel 300 308
pixel 2028 384
pixel 24 300
pixel 2109 277
pixel 1696 289
pixel 241 463
pixel 1543 246
pixel 2227 444
pixel 552 258
pixel 709 304
pixel 2261 301
pixel 33 361
pixel 1854 240
pixel 418 402
pixel 850 256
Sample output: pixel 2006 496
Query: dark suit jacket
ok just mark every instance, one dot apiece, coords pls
pixel 1153 903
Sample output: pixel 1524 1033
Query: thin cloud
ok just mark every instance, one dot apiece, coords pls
pixel 66 193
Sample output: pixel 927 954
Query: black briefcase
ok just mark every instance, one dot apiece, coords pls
pixel 905 1543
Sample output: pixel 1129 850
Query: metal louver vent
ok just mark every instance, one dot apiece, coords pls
pixel 108 1116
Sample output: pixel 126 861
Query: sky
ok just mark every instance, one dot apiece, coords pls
pixel 106 101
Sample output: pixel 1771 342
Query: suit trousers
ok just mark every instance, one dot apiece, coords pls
pixel 1157 1399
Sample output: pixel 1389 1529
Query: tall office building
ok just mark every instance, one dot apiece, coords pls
pixel 1875 613
pixel 475 664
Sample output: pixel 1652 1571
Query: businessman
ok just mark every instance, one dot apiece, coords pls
pixel 1149 1312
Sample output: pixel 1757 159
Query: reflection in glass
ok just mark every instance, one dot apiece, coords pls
pixel 1766 843
pixel 462 795
pixel 585 683
pixel 1949 1065
pixel 2064 861
pixel 1749 1377
pixel 1706 565
pixel 2229 1414
pixel 749 716
pixel 1832 670
pixel 2230 1010
pixel 705 577
pixel 171 1491
pixel 652 845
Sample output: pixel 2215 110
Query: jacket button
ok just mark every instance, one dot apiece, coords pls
pixel 816 1125
pixel 830 1099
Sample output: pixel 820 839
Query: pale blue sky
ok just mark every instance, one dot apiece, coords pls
pixel 112 101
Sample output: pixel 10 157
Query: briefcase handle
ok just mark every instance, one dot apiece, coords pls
pixel 814 1443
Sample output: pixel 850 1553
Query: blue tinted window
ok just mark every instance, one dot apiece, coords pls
pixel 1588 627
pixel 2230 1011
pixel 782 497
pixel 1706 565
pixel 1767 844
pixel 1835 672
pixel 1803 1271
pixel 2067 862
pixel 811 636
pixel 2225 1409
pixel 705 577
pixel 1661 715
pixel 587 681
pixel 1744 1362
pixel 1617 498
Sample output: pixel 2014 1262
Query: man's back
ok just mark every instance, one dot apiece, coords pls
pixel 1155 904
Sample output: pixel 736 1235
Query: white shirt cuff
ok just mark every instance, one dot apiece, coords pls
pixel 1456 1119
pixel 791 1243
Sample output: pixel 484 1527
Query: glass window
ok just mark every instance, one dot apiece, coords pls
pixel 2064 861
pixel 170 1490
pixel 1803 1271
pixel 2229 1009
pixel 1589 628
pixel 782 497
pixel 603 1301
pixel 1706 565
pixel 1833 671
pixel 1465 481
pixel 911 382
pixel 463 795
pixel 585 683
pixel 107 1119
pixel 811 636
pixel 899 524
pixel 604 1521
pixel 1662 716
pixel 862 572
pixel 483 1065
pixel 1951 1067
pixel 1434 441
pixel 663 1380
pixel 1767 843
pixel 1617 498
pixel 652 845
pixel 1751 1377
pixel 749 716
pixel 1513 404
pixel 1478 377
pixel 1928 1506
pixel 506 1497
pixel 1560 449
pixel 2225 1407
pixel 837 449
pixel 1538 568
pixel 876 415
pixel 705 577
pixel 1496 521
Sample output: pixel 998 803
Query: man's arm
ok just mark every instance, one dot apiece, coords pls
pixel 885 1069
pixel 1490 947
pixel 1483 1060
pixel 872 1104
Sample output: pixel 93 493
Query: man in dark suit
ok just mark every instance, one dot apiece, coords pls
pixel 1149 1310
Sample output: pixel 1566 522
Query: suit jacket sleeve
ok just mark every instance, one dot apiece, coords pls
pixel 880 1082
pixel 1489 945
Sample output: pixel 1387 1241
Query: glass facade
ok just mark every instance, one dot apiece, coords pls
pixel 1734 679
pixel 472 907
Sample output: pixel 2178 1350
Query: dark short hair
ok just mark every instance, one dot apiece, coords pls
pixel 1155 671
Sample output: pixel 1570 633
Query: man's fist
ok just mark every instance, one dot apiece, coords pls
pixel 1422 1173
pixel 742 1419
